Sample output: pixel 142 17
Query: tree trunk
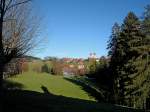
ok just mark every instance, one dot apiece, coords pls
pixel 1 60
pixel 1 88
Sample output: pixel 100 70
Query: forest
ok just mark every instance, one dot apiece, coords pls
pixel 126 72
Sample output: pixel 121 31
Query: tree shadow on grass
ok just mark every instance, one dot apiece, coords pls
pixel 30 101
pixel 7 84
pixel 91 92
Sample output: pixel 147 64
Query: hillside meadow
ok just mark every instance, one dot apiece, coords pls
pixel 44 92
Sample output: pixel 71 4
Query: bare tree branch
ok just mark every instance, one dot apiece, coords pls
pixel 19 29
pixel 9 6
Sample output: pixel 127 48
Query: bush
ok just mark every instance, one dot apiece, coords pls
pixel 24 67
pixel 45 68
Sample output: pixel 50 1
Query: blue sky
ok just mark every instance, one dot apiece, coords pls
pixel 74 28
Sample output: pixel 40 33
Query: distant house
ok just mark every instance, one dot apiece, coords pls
pixel 67 71
pixel 76 67
pixel 67 60
pixel 81 65
pixel 71 66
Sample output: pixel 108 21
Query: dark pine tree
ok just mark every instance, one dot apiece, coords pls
pixel 114 59
pixel 124 51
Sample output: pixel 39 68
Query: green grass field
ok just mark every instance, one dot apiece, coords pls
pixel 55 84
pixel 47 93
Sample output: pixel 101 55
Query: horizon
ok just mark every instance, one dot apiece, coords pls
pixel 66 57
pixel 75 28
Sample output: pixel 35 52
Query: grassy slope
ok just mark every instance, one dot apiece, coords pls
pixel 55 85
pixel 63 96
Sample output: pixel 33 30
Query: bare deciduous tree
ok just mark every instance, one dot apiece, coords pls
pixel 18 31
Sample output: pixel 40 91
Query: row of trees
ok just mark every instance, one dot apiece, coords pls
pixel 59 67
pixel 54 67
pixel 129 49
pixel 100 72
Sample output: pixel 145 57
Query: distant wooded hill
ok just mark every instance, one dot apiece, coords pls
pixel 31 58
